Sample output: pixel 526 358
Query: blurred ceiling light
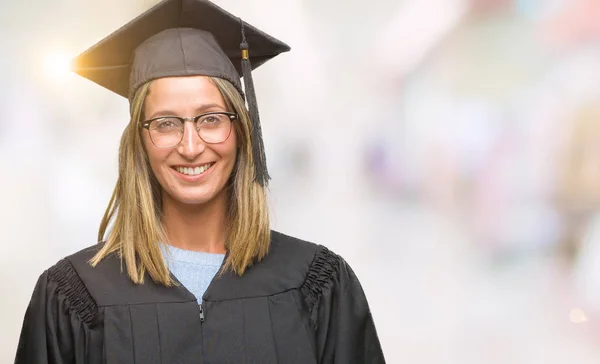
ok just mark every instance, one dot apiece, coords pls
pixel 57 64
pixel 577 316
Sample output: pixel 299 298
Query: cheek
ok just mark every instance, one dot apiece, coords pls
pixel 149 148
pixel 146 141
pixel 230 148
pixel 234 142
pixel 155 155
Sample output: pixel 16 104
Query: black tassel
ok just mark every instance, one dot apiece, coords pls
pixel 261 174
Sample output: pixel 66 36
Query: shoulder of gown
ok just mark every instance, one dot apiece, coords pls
pixel 60 316
pixel 339 312
pixel 284 268
pixel 109 284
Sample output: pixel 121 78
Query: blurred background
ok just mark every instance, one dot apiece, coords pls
pixel 448 149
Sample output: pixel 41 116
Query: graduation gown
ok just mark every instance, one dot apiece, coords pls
pixel 301 304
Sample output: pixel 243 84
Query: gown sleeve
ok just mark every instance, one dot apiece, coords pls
pixel 339 313
pixel 56 320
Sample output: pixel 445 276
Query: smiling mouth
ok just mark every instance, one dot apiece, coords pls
pixel 194 171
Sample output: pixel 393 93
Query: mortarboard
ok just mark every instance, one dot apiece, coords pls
pixel 183 38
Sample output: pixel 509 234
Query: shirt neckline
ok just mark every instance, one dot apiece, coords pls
pixel 173 254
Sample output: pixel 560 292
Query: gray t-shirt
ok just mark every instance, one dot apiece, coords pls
pixel 195 270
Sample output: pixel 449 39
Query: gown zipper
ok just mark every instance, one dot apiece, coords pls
pixel 201 313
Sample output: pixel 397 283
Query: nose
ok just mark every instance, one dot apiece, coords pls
pixel 191 145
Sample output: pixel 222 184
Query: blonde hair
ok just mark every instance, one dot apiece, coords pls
pixel 135 207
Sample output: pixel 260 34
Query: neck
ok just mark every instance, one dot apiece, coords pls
pixel 196 227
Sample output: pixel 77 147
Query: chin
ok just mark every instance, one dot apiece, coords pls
pixel 193 197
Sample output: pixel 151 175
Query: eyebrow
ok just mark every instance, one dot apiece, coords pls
pixel 199 110
pixel 205 107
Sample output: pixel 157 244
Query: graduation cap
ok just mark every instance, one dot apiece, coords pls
pixel 184 38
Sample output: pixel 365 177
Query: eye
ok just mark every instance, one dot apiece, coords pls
pixel 212 120
pixel 166 124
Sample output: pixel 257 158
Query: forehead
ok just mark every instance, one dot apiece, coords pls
pixel 182 95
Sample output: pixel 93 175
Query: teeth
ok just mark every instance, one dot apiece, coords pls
pixel 193 171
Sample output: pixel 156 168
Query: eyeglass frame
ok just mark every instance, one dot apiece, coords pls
pixel 232 117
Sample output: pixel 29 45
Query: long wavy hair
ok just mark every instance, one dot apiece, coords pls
pixel 135 208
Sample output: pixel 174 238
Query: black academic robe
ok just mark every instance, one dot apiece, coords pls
pixel 300 304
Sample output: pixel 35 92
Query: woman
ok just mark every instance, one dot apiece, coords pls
pixel 189 271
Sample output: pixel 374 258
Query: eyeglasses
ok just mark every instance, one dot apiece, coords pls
pixel 167 131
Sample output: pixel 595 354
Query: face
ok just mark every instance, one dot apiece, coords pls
pixel 188 97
